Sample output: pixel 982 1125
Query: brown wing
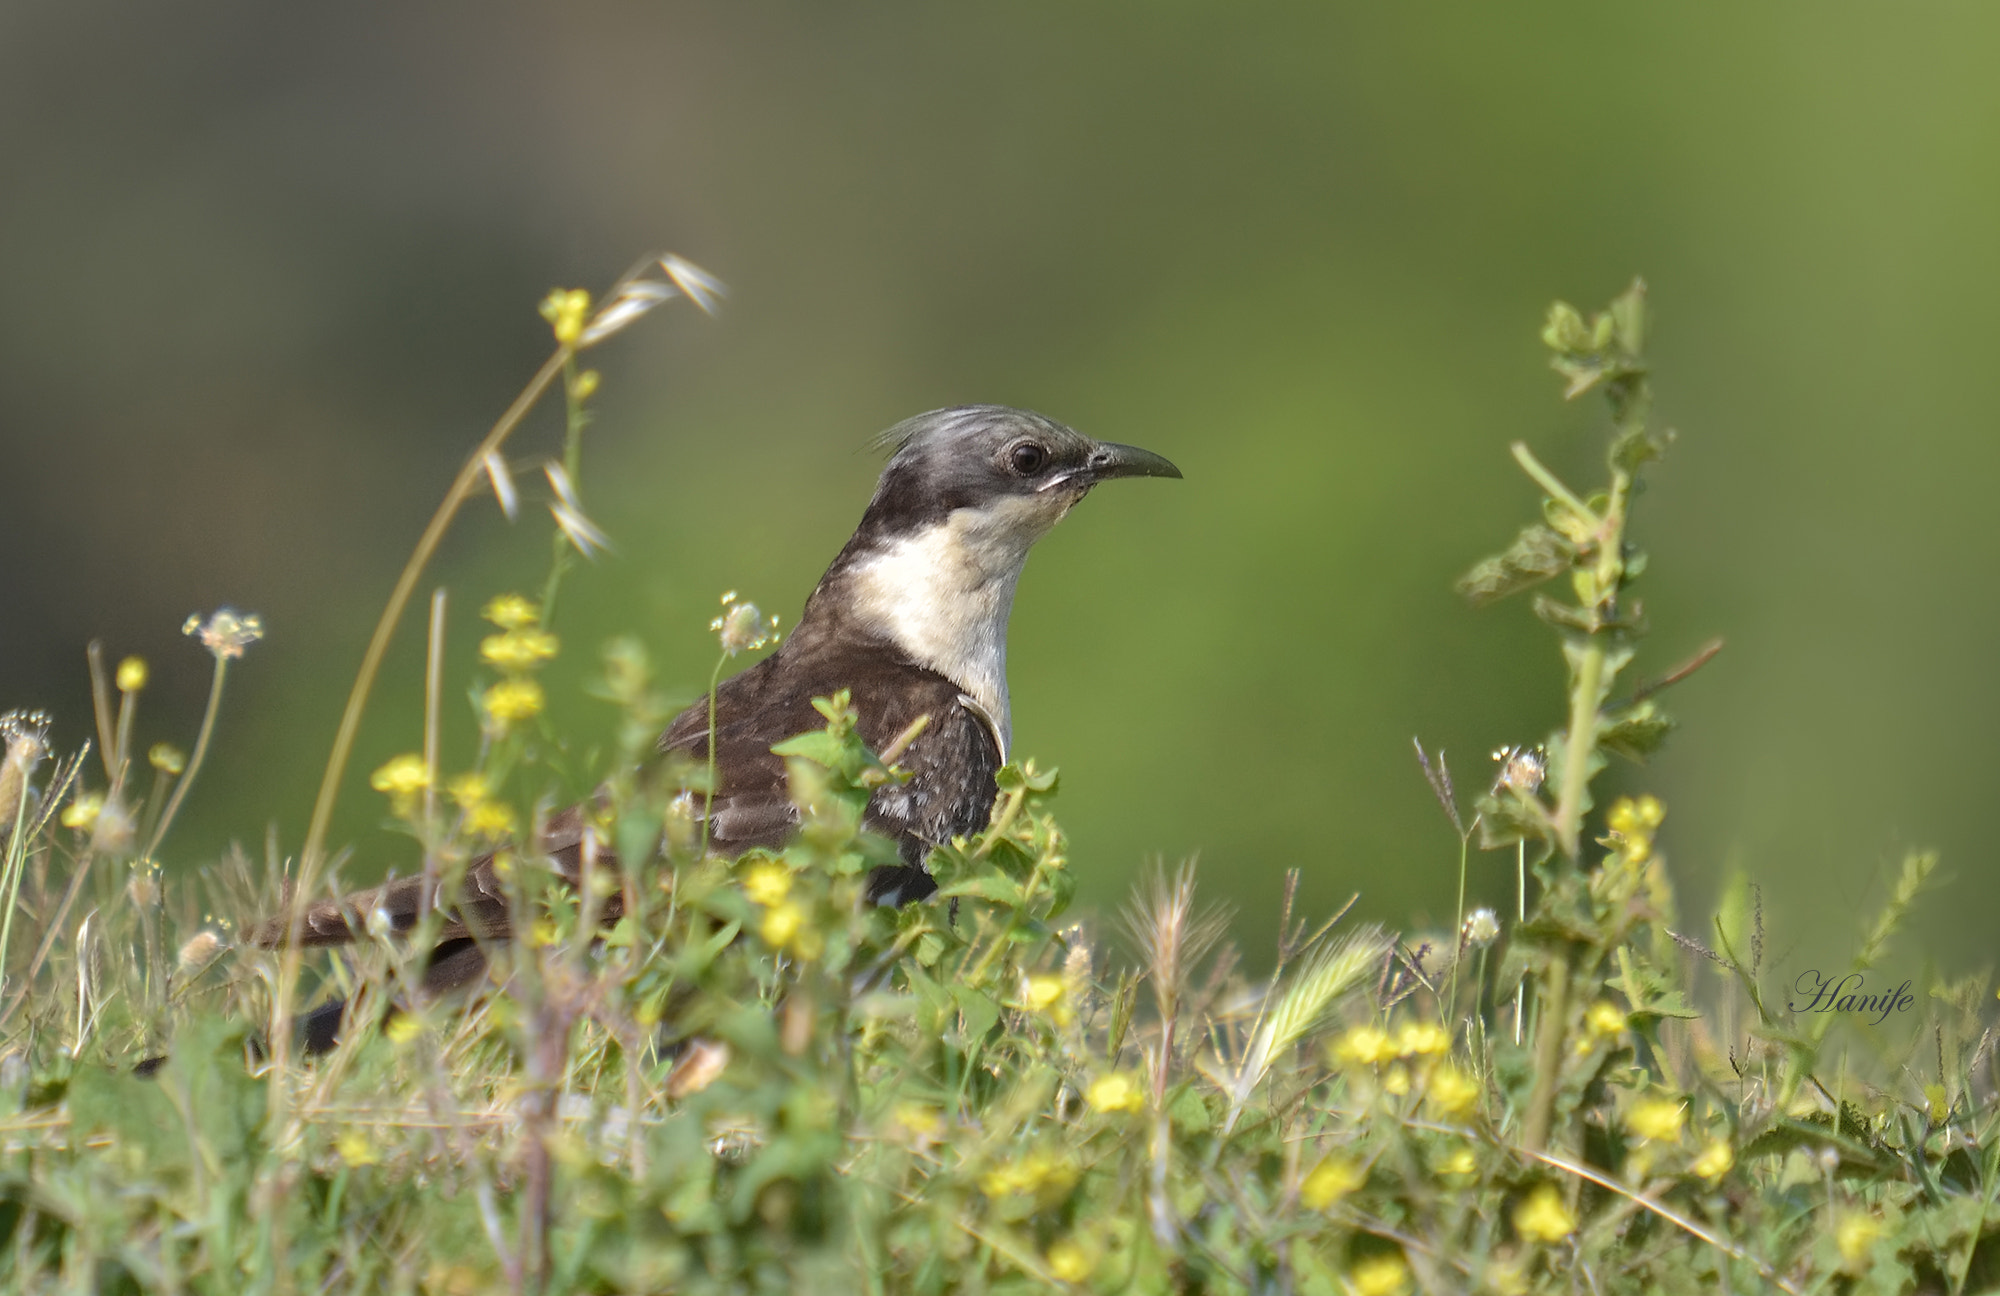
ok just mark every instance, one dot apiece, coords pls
pixel 950 792
pixel 952 763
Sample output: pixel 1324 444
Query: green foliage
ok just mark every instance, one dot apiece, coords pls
pixel 752 1081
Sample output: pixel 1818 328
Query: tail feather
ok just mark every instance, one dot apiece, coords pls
pixel 478 907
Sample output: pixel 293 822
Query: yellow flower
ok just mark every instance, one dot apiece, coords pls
pixel 585 385
pixel 1461 1162
pixel 131 674
pixel 1119 1091
pixel 920 1122
pixel 167 758
pixel 511 612
pixel 1397 1081
pixel 402 1028
pixel 1421 1038
pixel 518 650
pixel 1071 1261
pixel 1365 1045
pixel 785 927
pixel 1715 1160
pixel 355 1150
pixel 490 819
pixel 1855 1237
pixel 1047 993
pixel 468 789
pixel 83 811
pixel 513 699
pixel 565 312
pixel 1452 1092
pixel 1604 1019
pixel 767 882
pixel 1330 1180
pixel 1379 1275
pixel 1039 1174
pixel 1632 824
pixel 1543 1217
pixel 403 776
pixel 1657 1119
pixel 1042 992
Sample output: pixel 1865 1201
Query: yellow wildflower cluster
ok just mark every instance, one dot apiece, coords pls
pixel 513 700
pixel 787 926
pixel 511 612
pixel 521 647
pixel 355 1149
pixel 1072 1260
pixel 1119 1091
pixel 1330 1180
pixel 484 816
pixel 1657 1120
pixel 403 779
pixel 1715 1160
pixel 1451 1091
pixel 767 882
pixel 1633 823
pixel 566 311
pixel 1047 993
pixel 519 650
pixel 1542 1217
pixel 1040 1176
pixel 1855 1237
pixel 1602 1023
pixel 82 812
pixel 1380 1275
pixel 920 1122
pixel 1371 1045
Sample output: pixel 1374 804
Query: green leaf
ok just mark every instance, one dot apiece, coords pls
pixel 997 887
pixel 1189 1112
pixel 818 746
pixel 1636 732
pixel 1537 554
pixel 1505 818
pixel 981 1011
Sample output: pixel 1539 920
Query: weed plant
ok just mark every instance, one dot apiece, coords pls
pixel 750 1081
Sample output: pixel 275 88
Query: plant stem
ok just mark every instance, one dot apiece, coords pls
pixel 708 794
pixel 194 760
pixel 350 723
pixel 1548 1054
pixel 433 688
pixel 385 627
pixel 1582 742
pixel 1458 930
pixel 1548 481
pixel 1520 917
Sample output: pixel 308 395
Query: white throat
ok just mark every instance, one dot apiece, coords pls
pixel 942 594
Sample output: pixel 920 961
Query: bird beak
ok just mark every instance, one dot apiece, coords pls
pixel 1110 460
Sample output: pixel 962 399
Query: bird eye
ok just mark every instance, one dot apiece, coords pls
pixel 1028 458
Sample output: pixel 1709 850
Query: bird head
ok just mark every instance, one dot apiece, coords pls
pixel 1003 476
pixel 932 568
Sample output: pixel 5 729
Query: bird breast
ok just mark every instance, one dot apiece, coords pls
pixel 942 593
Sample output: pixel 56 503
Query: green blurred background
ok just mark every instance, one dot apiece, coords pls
pixel 270 270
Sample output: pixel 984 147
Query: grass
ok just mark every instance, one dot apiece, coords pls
pixel 751 1082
